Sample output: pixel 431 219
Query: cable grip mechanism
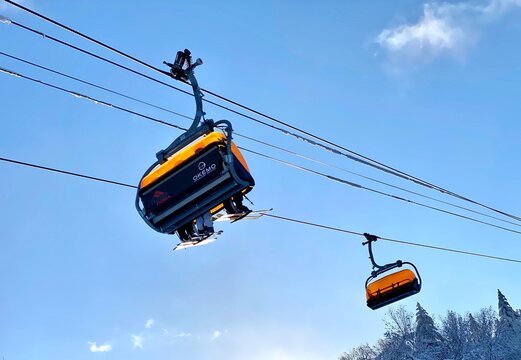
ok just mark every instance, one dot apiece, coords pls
pixel 183 65
pixel 182 69
pixel 378 269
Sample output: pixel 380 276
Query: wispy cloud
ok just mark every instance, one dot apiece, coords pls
pixel 431 34
pixel 216 334
pixel 102 348
pixel 137 341
pixel 149 323
pixel 442 29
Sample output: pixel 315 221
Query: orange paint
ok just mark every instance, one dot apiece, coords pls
pixel 188 153
pixel 389 282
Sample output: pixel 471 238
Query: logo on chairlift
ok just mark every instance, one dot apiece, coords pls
pixel 203 170
pixel 161 197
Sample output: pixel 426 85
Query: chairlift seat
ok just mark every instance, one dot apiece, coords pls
pixel 391 288
pixel 192 181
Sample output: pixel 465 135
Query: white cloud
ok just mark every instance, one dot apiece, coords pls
pixel 137 341
pixel 149 323
pixel 216 334
pixel 183 334
pixel 431 33
pixel 102 348
pixel 443 29
pixel 166 331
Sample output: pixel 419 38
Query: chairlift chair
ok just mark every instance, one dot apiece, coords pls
pixel 393 287
pixel 201 171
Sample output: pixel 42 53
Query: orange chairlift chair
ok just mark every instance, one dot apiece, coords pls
pixel 201 172
pixel 393 287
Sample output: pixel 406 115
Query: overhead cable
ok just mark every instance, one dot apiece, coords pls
pixel 293 153
pixel 440 248
pixel 93 85
pixel 302 222
pixel 354 155
pixel 284 131
pixel 352 184
pixel 86 97
pixel 46 168
pixel 330 177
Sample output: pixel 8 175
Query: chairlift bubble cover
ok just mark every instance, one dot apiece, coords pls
pixel 391 288
pixel 194 180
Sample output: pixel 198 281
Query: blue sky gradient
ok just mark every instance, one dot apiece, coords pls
pixel 429 90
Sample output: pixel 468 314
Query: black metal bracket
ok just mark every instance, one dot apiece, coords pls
pixel 378 269
pixel 183 70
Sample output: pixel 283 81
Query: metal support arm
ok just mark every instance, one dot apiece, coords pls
pixel 179 72
pixel 378 269
pixel 183 70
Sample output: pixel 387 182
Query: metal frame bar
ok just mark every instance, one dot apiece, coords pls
pixel 380 269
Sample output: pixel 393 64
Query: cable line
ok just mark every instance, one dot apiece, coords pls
pixel 93 85
pixel 54 22
pixel 128 56
pixel 258 141
pixel 359 157
pixel 299 137
pixel 354 155
pixel 378 181
pixel 440 248
pixel 88 177
pixel 99 57
pixel 302 222
pixel 330 177
pixel 346 182
pixel 82 96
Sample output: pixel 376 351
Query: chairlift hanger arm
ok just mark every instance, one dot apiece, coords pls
pixel 378 269
pixel 183 70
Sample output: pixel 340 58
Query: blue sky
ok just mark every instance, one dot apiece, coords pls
pixel 431 89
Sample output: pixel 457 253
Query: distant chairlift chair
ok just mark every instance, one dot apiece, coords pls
pixel 392 287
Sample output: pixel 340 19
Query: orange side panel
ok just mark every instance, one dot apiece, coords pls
pixel 238 155
pixel 389 282
pixel 181 156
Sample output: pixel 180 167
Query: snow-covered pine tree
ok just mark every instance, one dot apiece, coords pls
pixel 480 337
pixel 398 341
pixel 507 345
pixel 363 352
pixel 428 341
pixel 454 331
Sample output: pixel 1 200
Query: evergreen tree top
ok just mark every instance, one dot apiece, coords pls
pixel 484 335
pixel 504 307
